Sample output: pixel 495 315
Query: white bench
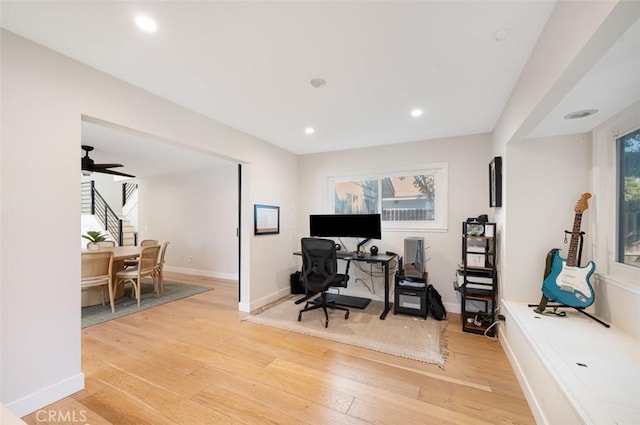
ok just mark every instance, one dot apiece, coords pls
pixel 572 369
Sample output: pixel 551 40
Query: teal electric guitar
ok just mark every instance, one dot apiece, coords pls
pixel 565 281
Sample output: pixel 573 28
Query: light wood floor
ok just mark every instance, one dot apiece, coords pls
pixel 195 362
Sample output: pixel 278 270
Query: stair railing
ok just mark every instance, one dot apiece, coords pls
pixel 96 205
pixel 128 189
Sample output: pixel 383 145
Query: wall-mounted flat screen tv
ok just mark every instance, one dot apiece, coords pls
pixel 345 225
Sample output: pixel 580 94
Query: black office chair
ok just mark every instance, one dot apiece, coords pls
pixel 319 273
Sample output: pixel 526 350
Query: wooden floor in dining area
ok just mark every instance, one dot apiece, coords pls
pixel 194 361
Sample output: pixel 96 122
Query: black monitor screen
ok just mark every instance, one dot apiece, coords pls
pixel 346 225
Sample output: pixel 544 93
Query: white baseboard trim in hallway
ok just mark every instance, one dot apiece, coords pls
pixel 47 395
pixel 206 273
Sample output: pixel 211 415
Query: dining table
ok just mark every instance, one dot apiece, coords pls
pixel 120 253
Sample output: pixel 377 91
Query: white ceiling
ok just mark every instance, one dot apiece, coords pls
pixel 611 85
pixel 142 155
pixel 249 64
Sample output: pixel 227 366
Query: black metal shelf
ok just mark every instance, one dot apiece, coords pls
pixel 478 285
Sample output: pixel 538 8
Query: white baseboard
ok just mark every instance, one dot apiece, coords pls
pixel 47 395
pixel 244 307
pixel 261 302
pixel 536 410
pixel 452 307
pixel 206 273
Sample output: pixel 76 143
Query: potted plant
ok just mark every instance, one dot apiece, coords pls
pixel 94 238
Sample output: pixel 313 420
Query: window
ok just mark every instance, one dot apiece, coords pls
pixel 628 166
pixel 613 175
pixel 407 200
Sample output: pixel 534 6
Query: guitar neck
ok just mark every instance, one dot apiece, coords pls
pixel 572 257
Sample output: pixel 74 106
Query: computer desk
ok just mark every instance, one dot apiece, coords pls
pixel 383 259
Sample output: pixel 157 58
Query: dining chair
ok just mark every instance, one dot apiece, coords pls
pixel 132 262
pixel 147 261
pixel 96 273
pixel 160 267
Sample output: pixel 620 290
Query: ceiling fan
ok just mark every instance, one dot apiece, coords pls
pixel 89 166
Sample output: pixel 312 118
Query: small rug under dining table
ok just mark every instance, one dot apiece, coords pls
pixel 400 335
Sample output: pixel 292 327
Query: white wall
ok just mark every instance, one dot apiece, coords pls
pixel 468 160
pixel 109 189
pixel 575 37
pixel 277 187
pixel 44 96
pixel 546 178
pixel 198 213
pixel 555 168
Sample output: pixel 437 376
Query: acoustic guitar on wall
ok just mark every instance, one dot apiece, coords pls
pixel 565 282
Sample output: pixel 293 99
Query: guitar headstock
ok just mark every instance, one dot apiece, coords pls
pixel 582 205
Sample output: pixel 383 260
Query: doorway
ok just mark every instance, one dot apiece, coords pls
pixel 190 198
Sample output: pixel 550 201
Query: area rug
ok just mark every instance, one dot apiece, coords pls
pixel 127 305
pixel 400 335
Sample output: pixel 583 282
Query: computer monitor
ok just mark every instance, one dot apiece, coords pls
pixel 365 226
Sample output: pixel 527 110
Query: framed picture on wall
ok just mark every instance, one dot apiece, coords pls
pixel 266 219
pixel 495 182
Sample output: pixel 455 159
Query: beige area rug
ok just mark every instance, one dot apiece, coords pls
pixel 400 335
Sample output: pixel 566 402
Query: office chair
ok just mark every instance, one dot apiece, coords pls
pixel 319 273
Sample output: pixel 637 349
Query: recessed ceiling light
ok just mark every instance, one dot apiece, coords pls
pixel 145 23
pixel 309 130
pixel 580 114
pixel 416 113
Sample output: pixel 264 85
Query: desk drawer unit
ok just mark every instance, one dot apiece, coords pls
pixel 411 299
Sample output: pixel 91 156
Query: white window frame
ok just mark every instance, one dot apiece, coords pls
pixel 441 189
pixel 606 190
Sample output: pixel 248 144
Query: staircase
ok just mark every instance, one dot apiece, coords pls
pixel 129 234
pixel 92 203
pixel 129 203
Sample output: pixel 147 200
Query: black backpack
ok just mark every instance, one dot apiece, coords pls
pixel 434 304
